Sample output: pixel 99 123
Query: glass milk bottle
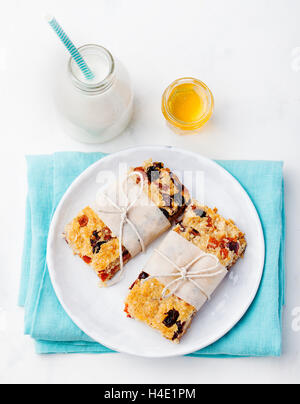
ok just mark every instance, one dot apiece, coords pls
pixel 97 110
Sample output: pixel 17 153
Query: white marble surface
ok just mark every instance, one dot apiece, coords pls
pixel 246 51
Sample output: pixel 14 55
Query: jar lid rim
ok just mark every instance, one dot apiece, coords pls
pixel 166 111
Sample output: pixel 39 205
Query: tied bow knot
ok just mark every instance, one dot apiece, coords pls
pixel 124 215
pixel 183 274
pixel 123 212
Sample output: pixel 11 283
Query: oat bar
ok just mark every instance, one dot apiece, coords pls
pixel 92 240
pixel 172 316
pixel 212 233
pixel 164 189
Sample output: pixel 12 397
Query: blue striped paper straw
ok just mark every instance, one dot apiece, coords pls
pixel 71 48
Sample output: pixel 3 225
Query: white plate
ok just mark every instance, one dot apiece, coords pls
pixel 99 312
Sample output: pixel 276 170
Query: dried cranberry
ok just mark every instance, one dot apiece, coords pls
pixel 180 327
pixel 103 275
pixel 97 246
pixel 95 243
pixel 195 232
pixel 114 270
pixel 94 239
pixel 213 243
pixel 209 222
pixel 96 235
pixel 126 255
pixel 83 220
pixel 222 244
pixel 87 259
pixel 234 246
pixel 143 275
pixel 175 336
pixel 224 253
pixel 172 317
pixel 141 171
pixel 200 212
pixel 126 311
pixel 158 165
pixel 106 230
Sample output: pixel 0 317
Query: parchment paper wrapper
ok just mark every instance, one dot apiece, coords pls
pixel 182 252
pixel 145 215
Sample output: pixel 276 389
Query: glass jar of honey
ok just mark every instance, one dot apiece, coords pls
pixel 187 104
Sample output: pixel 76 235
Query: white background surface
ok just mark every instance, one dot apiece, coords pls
pixel 246 51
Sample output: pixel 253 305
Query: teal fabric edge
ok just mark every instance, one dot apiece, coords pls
pixel 25 271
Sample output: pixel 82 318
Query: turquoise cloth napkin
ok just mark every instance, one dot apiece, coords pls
pixel 49 176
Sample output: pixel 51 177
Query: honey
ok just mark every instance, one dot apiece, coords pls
pixel 187 105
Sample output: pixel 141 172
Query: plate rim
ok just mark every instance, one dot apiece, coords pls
pixel 74 318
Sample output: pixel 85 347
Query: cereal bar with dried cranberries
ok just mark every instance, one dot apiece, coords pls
pixel 172 316
pixel 212 233
pixel 164 189
pixel 93 241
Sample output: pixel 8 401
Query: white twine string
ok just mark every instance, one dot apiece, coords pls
pixel 123 211
pixel 183 275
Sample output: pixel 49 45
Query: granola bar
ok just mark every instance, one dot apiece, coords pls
pixel 211 233
pixel 171 316
pixel 94 241
pixel 164 189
